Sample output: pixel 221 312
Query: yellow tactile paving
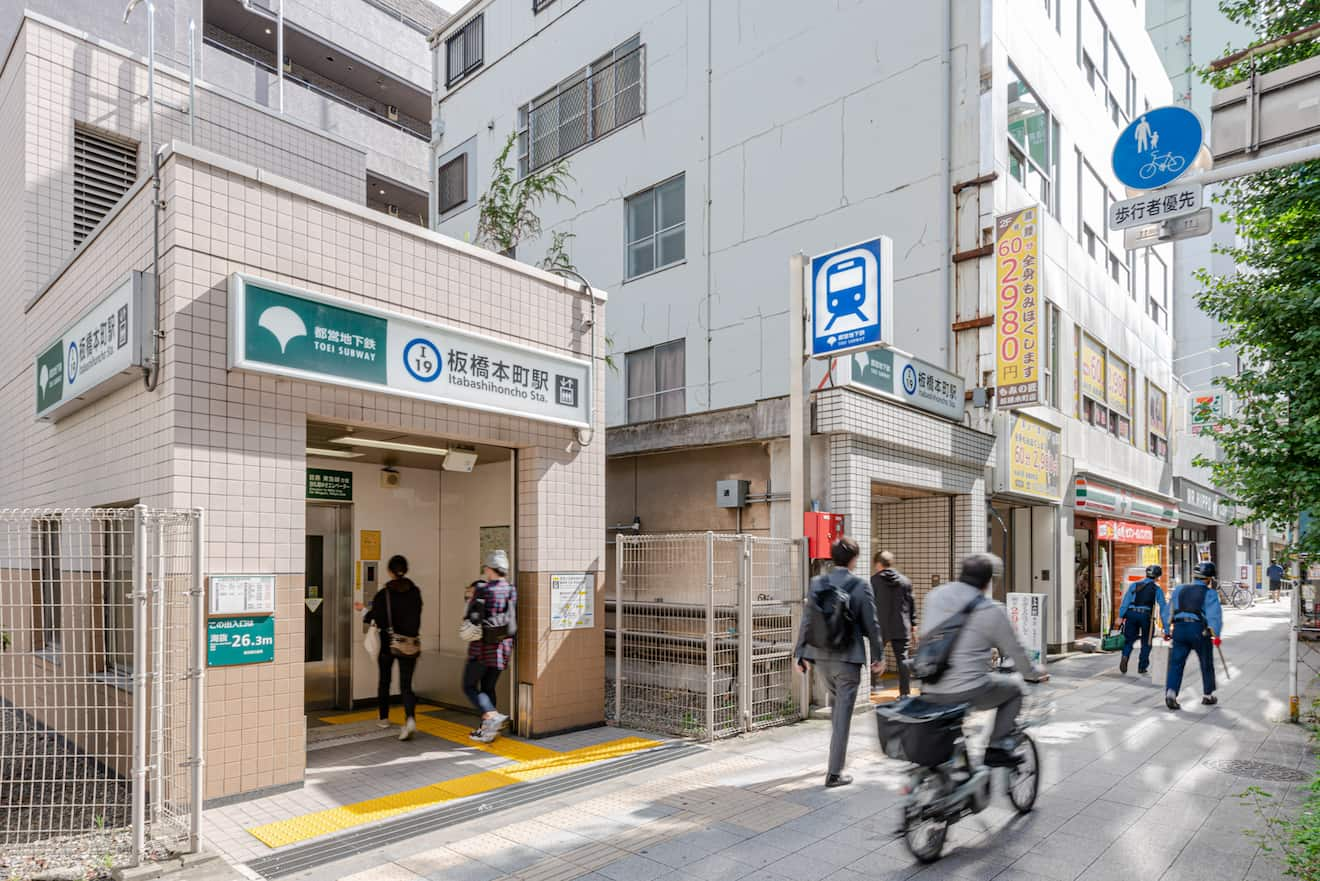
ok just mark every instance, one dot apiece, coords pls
pixel 547 762
pixel 514 750
pixel 396 715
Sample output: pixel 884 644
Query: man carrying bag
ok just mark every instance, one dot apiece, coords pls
pixel 838 624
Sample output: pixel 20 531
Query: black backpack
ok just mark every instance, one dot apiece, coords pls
pixel 932 655
pixel 830 622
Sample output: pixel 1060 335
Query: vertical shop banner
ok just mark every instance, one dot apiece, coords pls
pixel 1029 462
pixel 1206 409
pixel 1091 368
pixel 1026 611
pixel 1017 326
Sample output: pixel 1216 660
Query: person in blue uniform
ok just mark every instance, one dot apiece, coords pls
pixel 1137 614
pixel 1198 621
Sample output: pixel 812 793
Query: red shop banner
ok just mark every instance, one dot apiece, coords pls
pixel 1122 531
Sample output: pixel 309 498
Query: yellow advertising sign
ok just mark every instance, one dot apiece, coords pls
pixel 1033 459
pixel 370 544
pixel 1091 368
pixel 1117 381
pixel 1150 555
pixel 1017 328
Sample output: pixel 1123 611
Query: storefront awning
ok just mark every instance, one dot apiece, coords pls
pixel 1100 499
pixel 1197 504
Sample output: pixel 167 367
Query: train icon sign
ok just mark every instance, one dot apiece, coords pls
pixel 1157 147
pixel 852 298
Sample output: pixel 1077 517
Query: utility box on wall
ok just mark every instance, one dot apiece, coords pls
pixel 822 530
pixel 731 493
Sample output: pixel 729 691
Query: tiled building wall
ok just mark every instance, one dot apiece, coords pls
pixel 13 153
pixel 68 80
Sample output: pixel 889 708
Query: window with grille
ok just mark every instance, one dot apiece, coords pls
pixel 463 51
pixel 453 180
pixel 49 618
pixel 584 107
pixel 657 382
pixel 538 5
pixel 656 227
pixel 104 168
pixel 1033 143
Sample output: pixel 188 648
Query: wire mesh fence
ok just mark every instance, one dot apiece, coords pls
pixel 98 705
pixel 702 632
pixel 1304 647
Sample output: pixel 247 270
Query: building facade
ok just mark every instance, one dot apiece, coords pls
pixel 298 399
pixel 708 142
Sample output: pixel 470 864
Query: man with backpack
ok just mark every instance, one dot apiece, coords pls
pixel 961 624
pixel 897 613
pixel 1198 620
pixel 1137 617
pixel 838 624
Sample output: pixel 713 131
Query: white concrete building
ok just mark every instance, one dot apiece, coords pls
pixel 710 141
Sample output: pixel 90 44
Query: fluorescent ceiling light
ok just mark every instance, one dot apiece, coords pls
pixel 351 441
pixel 334 454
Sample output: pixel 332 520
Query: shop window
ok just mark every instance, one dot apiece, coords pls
pixel 104 169
pixel 1104 388
pixel 117 593
pixel 1157 420
pixel 1033 143
pixel 656 227
pixel 583 108
pixel 657 385
pixel 50 595
pixel 464 51
pixel 452 185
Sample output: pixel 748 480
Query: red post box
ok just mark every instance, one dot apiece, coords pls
pixel 822 530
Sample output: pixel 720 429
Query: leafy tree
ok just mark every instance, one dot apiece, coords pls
pixel 1270 309
pixel 508 209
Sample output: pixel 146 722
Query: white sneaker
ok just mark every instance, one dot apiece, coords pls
pixel 383 723
pixel 495 723
pixel 409 729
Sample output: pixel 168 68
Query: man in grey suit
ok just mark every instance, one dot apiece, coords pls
pixel 841 668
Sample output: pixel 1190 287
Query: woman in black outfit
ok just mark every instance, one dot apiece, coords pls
pixel 397 608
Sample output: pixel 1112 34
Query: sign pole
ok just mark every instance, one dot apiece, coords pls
pixel 799 413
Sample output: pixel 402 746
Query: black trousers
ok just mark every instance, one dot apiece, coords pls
pixel 479 683
pixel 899 647
pixel 385 664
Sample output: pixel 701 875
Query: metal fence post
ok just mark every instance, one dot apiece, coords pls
pixel 196 711
pixel 620 548
pixel 139 682
pixel 804 570
pixel 710 636
pixel 1294 622
pixel 745 630
pixel 156 765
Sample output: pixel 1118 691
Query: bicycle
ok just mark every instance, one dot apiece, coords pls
pixel 1236 594
pixel 1161 162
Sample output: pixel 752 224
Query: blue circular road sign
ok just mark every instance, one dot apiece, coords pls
pixel 1157 147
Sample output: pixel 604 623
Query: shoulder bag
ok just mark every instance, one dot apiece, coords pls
pixel 401 646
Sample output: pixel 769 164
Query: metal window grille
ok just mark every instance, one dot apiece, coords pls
pixel 453 183
pixel 463 51
pixel 104 168
pixel 100 742
pixel 703 630
pixel 586 106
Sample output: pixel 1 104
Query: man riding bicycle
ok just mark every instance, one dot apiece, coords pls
pixel 968 679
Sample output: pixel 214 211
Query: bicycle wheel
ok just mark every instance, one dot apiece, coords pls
pixel 1241 598
pixel 1176 163
pixel 924 835
pixel 1147 171
pixel 1024 780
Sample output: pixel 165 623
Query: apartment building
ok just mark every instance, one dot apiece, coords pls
pixel 708 142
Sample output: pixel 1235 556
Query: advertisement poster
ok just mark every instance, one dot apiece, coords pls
pixel 1027 613
pixel 1157 408
pixel 1116 380
pixel 1091 368
pixel 1206 409
pixel 1033 459
pixel 1017 325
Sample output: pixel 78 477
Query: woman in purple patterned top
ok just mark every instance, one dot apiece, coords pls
pixel 494 607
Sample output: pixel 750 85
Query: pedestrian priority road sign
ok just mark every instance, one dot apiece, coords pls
pixel 1155 207
pixel 852 298
pixel 1157 147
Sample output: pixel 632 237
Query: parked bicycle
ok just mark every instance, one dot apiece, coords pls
pixel 1236 594
pixel 1161 162
pixel 946 785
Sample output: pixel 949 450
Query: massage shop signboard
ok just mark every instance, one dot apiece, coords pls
pixel 300 334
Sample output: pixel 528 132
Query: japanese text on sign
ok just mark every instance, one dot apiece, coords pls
pixel 1154 207
pixel 1033 465
pixel 572 601
pixel 1026 612
pixel 1017 305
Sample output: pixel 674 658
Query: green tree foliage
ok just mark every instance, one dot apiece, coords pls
pixel 508 209
pixel 1270 308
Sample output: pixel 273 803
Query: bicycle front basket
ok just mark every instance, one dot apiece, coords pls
pixel 912 730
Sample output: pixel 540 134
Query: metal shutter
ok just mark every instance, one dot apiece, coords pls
pixel 104 169
pixel 453 183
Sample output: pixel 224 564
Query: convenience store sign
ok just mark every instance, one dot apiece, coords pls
pixel 298 334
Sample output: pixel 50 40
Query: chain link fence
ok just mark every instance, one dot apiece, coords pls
pixel 701 633
pixel 100 687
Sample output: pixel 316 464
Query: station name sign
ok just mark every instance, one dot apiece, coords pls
pixel 298 334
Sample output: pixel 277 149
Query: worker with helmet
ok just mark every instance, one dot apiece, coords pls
pixel 1137 617
pixel 1198 621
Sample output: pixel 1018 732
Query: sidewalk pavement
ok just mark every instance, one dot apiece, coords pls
pixel 1129 790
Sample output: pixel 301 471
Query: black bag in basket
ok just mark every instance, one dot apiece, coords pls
pixel 912 730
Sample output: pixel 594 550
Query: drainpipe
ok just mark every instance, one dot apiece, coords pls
pixel 590 327
pixel 152 377
pixel 279 54
pixel 710 156
pixel 946 192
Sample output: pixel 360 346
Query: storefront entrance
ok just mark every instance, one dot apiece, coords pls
pixel 1087 617
pixel 327 607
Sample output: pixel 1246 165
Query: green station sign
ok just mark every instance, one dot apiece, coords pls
pixel 325 485
pixel 234 641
